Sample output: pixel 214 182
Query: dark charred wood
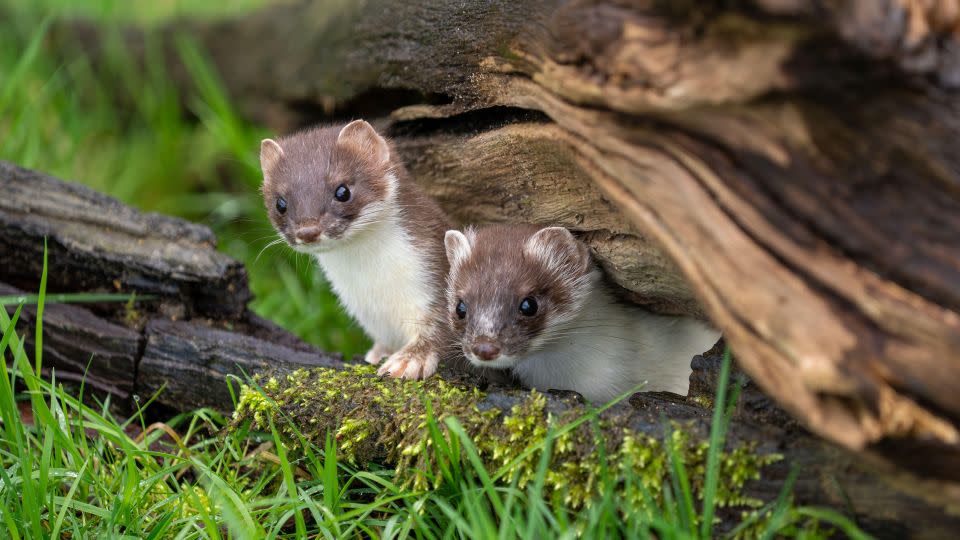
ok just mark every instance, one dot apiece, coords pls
pixel 95 243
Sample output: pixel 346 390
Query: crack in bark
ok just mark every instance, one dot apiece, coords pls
pixel 470 122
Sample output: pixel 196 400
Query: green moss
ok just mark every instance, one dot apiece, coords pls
pixel 387 420
pixel 703 401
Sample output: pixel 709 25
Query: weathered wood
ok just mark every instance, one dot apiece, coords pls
pixel 190 362
pixel 80 346
pixel 795 162
pixel 186 362
pixel 527 172
pixel 97 244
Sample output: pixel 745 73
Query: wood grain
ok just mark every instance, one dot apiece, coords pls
pixel 95 243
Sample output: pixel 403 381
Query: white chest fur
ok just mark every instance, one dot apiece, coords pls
pixel 383 282
pixel 609 348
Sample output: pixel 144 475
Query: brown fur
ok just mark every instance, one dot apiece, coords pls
pixel 312 167
pixel 312 164
pixel 499 273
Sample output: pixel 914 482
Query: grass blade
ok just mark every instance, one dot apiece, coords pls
pixel 466 443
pixel 288 480
pixel 65 505
pixel 72 298
pixel 782 506
pixel 38 345
pixel 717 438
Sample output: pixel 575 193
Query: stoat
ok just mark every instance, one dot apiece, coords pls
pixel 341 194
pixel 532 301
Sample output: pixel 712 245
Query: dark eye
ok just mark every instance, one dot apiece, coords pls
pixel 281 205
pixel 342 193
pixel 461 309
pixel 528 307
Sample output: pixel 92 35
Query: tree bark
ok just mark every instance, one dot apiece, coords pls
pixel 95 243
pixel 193 365
pixel 787 168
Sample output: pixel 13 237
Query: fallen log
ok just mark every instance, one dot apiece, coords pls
pixel 81 346
pixel 192 365
pixel 793 162
pixel 184 364
pixel 140 350
pixel 96 243
pixel 362 411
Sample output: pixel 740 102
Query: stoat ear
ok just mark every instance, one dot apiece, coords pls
pixel 458 247
pixel 361 135
pixel 558 249
pixel 270 155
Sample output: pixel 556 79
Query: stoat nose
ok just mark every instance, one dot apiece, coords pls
pixel 308 234
pixel 486 349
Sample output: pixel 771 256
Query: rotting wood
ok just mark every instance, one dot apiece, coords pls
pixel 79 346
pixel 185 363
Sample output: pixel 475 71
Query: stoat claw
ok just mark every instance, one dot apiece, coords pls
pixel 376 354
pixel 409 364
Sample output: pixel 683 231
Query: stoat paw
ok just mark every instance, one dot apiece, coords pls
pixel 409 364
pixel 376 354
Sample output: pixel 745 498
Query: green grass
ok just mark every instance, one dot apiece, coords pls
pixel 122 130
pixel 139 12
pixel 72 470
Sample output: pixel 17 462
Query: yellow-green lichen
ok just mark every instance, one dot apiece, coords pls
pixel 703 401
pixel 376 419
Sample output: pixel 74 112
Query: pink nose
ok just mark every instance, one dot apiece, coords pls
pixel 485 349
pixel 309 234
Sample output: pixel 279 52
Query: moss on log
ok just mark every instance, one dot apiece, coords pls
pixel 390 421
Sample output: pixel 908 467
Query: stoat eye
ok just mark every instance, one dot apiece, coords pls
pixel 461 309
pixel 281 205
pixel 342 193
pixel 528 307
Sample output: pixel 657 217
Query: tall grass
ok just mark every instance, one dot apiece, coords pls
pixel 141 13
pixel 121 129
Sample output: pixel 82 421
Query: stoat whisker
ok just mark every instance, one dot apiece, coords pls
pixel 271 244
pixel 594 334
pixel 261 239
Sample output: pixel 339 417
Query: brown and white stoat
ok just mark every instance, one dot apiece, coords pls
pixel 532 301
pixel 341 194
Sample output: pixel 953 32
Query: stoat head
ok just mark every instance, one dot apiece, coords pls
pixel 511 288
pixel 325 186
